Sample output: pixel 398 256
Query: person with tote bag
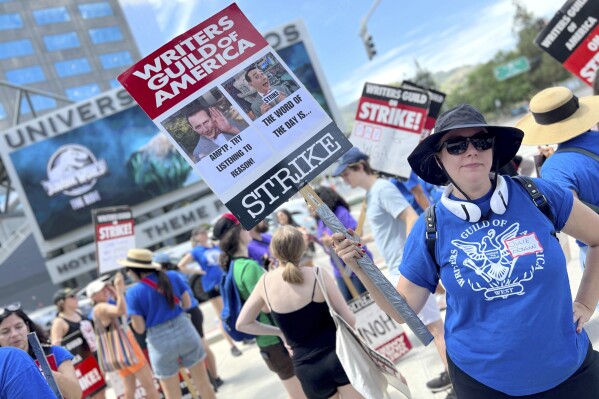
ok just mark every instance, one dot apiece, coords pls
pixel 109 306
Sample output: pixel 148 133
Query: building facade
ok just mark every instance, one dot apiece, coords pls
pixel 52 53
pixel 72 49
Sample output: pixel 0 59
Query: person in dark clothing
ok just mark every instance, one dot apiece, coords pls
pixel 298 307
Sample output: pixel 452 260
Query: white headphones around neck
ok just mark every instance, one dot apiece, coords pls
pixel 470 212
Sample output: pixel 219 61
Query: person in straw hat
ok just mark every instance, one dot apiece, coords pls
pixel 557 116
pixel 511 327
pixel 156 304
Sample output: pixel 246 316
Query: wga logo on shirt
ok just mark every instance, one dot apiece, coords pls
pixel 494 257
pixel 212 257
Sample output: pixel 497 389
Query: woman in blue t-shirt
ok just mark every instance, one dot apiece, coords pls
pixel 14 327
pixel 511 327
pixel 206 254
pixel 156 305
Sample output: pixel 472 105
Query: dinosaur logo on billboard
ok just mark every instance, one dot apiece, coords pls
pixel 73 170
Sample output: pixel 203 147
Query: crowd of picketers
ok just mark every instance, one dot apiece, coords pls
pixel 467 233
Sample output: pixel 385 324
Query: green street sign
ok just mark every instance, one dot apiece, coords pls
pixel 512 68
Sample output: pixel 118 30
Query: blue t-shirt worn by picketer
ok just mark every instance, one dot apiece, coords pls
pixel 145 301
pixel 432 192
pixel 575 171
pixel 509 308
pixel 61 354
pixel 207 258
pixel 20 378
pixel 184 280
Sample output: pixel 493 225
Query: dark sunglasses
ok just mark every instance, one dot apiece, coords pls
pixel 10 308
pixel 458 145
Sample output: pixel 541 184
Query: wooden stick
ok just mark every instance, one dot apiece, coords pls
pixel 360 227
pixel 350 285
pixel 378 280
pixel 190 387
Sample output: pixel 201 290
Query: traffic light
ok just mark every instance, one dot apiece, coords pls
pixel 369 44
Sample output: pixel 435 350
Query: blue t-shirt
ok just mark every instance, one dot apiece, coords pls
pixel 20 378
pixel 207 258
pixel 60 354
pixel 145 301
pixel 576 171
pixel 509 308
pixel 184 280
pixel 432 192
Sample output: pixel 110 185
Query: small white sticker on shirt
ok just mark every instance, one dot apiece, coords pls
pixel 523 245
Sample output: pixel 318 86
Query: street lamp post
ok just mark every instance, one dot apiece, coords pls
pixel 367 37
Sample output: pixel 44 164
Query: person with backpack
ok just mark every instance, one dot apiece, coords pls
pixel 557 116
pixel 241 276
pixel 511 327
pixel 302 315
pixel 156 304
pixel 206 254
pixel 391 218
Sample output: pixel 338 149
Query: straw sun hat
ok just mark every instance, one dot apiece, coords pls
pixel 139 258
pixel 557 115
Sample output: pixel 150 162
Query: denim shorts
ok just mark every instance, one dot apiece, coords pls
pixel 172 345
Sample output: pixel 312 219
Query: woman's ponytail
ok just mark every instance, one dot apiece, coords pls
pixel 292 274
pixel 288 246
pixel 166 288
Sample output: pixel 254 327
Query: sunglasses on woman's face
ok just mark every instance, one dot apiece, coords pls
pixel 10 308
pixel 458 145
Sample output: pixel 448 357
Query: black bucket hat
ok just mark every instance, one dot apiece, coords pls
pixel 422 159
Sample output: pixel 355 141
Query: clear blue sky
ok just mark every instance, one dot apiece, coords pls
pixel 439 34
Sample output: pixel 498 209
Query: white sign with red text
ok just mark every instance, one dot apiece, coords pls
pixel 389 122
pixel 379 330
pixel 115 235
pixel 236 113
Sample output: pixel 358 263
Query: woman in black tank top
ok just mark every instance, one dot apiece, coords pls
pixel 300 311
pixel 71 330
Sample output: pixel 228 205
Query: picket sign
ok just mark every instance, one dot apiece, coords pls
pixel 379 281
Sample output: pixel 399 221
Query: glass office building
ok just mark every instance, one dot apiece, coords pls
pixel 71 48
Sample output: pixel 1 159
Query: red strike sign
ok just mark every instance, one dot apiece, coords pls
pixel 109 231
pixel 89 375
pixel 584 61
pixel 191 61
pixel 384 113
